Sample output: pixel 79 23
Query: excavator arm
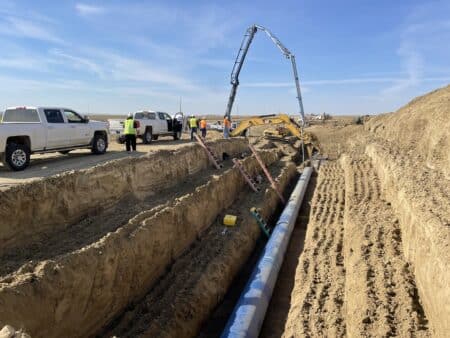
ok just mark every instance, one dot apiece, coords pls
pixel 308 140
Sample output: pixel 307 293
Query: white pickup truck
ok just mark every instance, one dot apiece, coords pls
pixel 28 130
pixel 151 125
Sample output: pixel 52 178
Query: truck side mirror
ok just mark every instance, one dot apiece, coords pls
pixel 85 119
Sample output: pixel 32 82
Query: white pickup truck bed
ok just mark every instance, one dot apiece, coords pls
pixel 152 124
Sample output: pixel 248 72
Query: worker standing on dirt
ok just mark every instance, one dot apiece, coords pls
pixel 226 127
pixel 203 127
pixel 193 126
pixel 130 133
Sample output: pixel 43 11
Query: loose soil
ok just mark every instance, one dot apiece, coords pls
pixel 97 224
pixel 186 295
pixel 369 256
pixel 376 254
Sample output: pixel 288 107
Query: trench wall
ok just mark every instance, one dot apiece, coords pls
pixel 28 210
pixel 425 240
pixel 77 293
pixel 206 292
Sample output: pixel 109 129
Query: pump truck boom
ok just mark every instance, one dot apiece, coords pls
pixel 243 50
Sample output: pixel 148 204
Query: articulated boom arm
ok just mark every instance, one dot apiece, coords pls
pixel 245 45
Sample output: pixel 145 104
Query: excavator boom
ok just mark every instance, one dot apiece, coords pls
pixel 308 140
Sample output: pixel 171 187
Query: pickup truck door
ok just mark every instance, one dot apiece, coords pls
pixel 57 129
pixel 153 121
pixel 169 122
pixel 79 130
pixel 162 123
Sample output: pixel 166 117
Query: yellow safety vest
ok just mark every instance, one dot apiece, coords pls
pixel 193 122
pixel 129 127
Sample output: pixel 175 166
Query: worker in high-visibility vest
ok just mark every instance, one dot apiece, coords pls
pixel 193 125
pixel 203 127
pixel 226 127
pixel 129 131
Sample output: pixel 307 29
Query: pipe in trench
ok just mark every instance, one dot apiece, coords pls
pixel 248 314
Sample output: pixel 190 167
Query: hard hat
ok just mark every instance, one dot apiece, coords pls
pixel 130 114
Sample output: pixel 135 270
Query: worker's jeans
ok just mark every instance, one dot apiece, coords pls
pixel 193 130
pixel 130 142
pixel 203 130
pixel 226 132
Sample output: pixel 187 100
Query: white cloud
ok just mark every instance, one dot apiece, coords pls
pixel 421 45
pixel 115 68
pixel 24 63
pixel 85 9
pixel 351 81
pixel 77 62
pixel 26 28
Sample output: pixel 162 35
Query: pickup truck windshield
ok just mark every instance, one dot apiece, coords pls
pixel 20 115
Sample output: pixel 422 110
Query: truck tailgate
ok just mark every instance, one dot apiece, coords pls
pixel 115 126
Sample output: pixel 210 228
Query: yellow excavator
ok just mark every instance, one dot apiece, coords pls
pixel 310 142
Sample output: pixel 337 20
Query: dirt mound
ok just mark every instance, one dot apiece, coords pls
pixel 421 128
pixel 376 253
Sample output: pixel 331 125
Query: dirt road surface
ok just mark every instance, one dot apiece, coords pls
pixel 44 165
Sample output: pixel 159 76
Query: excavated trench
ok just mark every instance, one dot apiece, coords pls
pixel 133 246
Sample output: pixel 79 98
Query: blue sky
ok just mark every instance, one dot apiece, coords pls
pixel 354 57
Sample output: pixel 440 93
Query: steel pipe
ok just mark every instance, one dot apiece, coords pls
pixel 248 314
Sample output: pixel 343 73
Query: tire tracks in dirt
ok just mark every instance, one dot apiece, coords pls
pixel 318 295
pixel 381 296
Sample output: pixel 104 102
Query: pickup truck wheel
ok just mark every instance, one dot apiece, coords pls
pixel 147 137
pixel 177 135
pixel 17 156
pixel 99 144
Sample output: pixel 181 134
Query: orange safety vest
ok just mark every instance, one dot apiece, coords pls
pixel 203 124
pixel 226 123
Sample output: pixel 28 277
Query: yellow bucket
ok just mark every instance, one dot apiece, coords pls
pixel 230 220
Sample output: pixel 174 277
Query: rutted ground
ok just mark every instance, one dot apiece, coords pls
pixel 375 260
pixel 318 296
pixel 381 297
pixel 395 247
pixel 353 279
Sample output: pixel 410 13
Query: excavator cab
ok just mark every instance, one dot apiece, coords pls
pixel 285 126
